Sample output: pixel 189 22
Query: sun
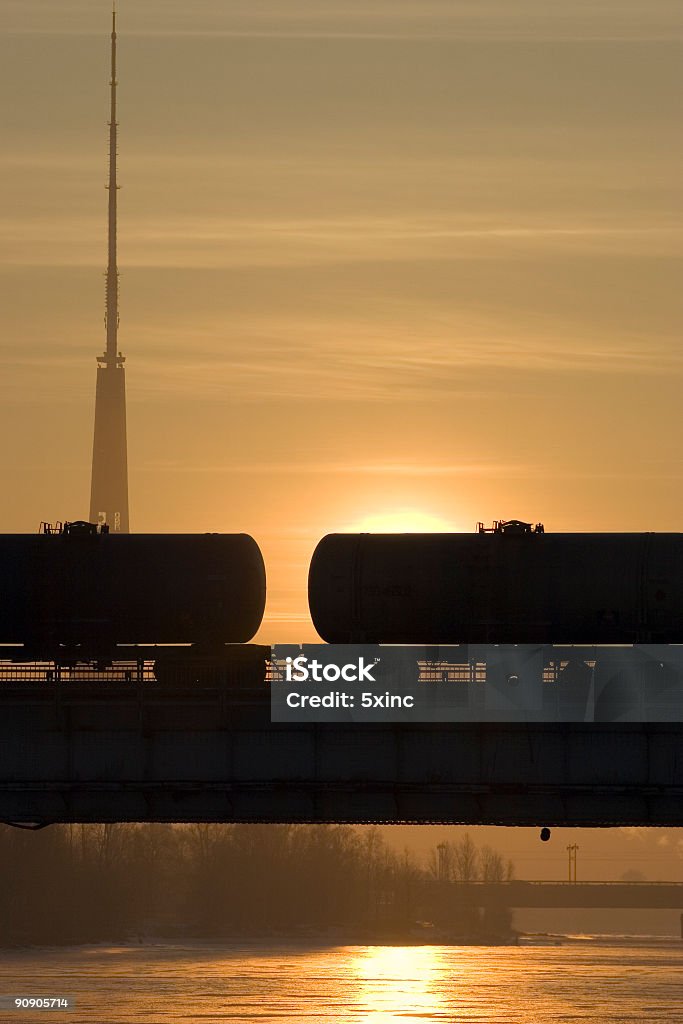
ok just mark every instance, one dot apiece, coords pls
pixel 401 520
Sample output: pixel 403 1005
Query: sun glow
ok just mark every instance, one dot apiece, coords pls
pixel 402 520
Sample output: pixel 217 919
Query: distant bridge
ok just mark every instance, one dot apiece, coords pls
pixel 650 895
pixel 127 749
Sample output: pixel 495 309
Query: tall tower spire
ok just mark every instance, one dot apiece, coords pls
pixel 109 482
pixel 111 318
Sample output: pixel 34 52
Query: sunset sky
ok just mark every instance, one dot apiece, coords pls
pixel 385 264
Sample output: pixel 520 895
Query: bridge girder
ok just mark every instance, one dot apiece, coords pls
pixel 141 753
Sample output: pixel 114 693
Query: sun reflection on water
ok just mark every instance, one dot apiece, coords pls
pixel 395 982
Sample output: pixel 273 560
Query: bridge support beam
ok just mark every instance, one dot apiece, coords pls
pixel 151 753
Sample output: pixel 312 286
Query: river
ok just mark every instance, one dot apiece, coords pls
pixel 604 979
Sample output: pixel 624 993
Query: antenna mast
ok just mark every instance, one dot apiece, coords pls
pixel 112 357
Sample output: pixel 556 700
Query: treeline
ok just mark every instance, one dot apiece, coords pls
pixel 464 861
pixel 72 884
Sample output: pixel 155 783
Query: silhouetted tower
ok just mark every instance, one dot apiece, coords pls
pixel 109 484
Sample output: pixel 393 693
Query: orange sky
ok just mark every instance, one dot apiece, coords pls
pixel 399 265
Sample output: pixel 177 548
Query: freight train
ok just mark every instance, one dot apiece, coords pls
pixel 513 583
pixel 83 590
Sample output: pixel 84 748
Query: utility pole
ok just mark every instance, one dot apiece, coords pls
pixel 572 850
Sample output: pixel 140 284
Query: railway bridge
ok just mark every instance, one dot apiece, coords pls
pixel 518 894
pixel 125 746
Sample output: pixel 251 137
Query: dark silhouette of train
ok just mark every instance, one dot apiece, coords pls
pixel 82 589
pixel 79 588
pixel 512 583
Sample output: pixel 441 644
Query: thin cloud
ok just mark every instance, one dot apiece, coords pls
pixel 215 243
pixel 305 359
pixel 383 19
pixel 332 469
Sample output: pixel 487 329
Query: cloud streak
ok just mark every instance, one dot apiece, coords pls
pixel 214 243
pixel 613 20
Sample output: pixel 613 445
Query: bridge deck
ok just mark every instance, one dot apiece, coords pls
pixel 141 752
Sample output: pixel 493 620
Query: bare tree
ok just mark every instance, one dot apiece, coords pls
pixel 466 859
pixel 492 865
